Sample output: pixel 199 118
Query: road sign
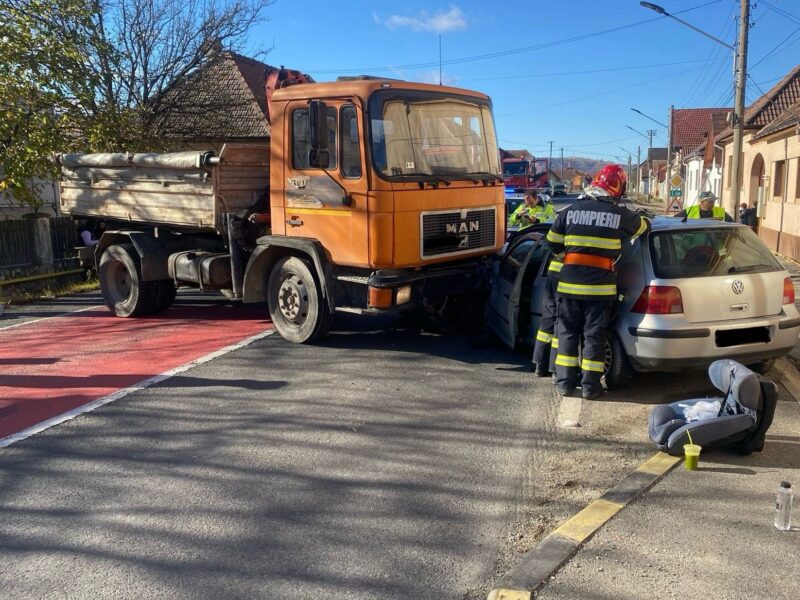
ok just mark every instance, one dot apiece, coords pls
pixel 675 192
pixel 674 206
pixel 676 180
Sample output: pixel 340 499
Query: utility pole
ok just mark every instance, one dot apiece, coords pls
pixel 650 134
pixel 668 176
pixel 550 164
pixel 639 169
pixel 562 165
pixel 738 108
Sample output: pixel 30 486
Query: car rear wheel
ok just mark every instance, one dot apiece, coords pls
pixel 618 370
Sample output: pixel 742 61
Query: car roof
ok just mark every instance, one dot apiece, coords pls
pixel 664 223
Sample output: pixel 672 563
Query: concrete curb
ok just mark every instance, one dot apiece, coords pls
pixel 540 563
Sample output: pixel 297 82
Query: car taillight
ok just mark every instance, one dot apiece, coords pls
pixel 788 291
pixel 659 300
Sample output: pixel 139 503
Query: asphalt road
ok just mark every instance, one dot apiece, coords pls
pixel 378 464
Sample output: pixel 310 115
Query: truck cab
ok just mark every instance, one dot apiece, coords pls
pixel 407 199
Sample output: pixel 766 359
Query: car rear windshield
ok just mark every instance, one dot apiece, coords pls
pixel 706 252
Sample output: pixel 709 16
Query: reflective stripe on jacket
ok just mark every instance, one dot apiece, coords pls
pixel 595 227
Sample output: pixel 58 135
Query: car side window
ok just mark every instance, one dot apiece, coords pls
pixel 301 138
pixel 512 262
pixel 351 146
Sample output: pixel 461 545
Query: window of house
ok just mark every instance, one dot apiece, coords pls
pixel 301 138
pixel 777 185
pixel 349 142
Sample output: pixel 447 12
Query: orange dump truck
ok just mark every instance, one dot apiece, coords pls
pixel 373 195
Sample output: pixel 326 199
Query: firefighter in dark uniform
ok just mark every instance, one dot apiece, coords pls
pixel 590 233
pixel 543 360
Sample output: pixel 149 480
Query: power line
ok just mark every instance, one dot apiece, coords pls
pixel 775 49
pixel 781 12
pixel 587 72
pixel 593 96
pixel 503 53
pixel 705 82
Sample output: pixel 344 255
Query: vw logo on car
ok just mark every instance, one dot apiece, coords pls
pixel 738 286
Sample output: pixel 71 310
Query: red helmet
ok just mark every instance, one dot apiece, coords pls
pixel 611 178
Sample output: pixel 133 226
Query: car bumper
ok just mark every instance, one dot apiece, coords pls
pixel 668 343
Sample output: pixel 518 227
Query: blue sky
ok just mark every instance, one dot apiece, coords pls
pixel 545 84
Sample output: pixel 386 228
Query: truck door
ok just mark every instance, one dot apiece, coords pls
pixel 328 205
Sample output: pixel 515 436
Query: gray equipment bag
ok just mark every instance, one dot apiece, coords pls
pixel 745 413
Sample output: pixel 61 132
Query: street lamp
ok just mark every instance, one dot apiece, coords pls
pixel 740 65
pixel 636 110
pixel 637 131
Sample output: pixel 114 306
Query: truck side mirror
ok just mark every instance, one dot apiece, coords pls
pixel 318 155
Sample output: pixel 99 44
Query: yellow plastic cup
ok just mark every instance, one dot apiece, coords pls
pixel 691 454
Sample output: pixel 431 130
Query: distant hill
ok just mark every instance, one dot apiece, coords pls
pixel 587 165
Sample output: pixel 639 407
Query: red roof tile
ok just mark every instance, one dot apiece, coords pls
pixel 771 105
pixel 690 125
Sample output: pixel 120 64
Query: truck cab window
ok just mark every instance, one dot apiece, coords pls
pixel 301 138
pixel 350 143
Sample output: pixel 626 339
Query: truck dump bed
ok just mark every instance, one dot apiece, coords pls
pixel 183 189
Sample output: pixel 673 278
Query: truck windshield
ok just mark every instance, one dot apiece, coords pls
pixel 425 134
pixel 515 168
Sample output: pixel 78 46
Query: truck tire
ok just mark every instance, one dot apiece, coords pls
pixel 121 282
pixel 296 306
pixel 618 371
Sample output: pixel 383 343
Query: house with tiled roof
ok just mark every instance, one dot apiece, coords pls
pixel 225 100
pixel 647 171
pixel 770 164
pixel 688 132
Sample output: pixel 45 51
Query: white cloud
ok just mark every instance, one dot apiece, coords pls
pixel 438 22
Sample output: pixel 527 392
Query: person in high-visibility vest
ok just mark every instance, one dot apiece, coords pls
pixel 590 233
pixel 532 211
pixel 705 209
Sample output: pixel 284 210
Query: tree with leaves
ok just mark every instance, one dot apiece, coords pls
pixel 100 75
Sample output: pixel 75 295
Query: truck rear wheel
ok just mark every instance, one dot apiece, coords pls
pixel 164 295
pixel 296 305
pixel 121 282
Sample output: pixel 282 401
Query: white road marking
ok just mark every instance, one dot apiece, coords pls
pixel 90 406
pixel 55 316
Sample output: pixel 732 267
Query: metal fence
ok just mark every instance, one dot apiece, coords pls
pixel 17 243
pixel 63 238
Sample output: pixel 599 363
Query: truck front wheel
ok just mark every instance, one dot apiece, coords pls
pixel 296 305
pixel 121 282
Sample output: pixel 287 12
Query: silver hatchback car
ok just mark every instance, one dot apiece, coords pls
pixel 690 293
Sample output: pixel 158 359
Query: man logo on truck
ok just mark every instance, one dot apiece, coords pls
pixel 463 227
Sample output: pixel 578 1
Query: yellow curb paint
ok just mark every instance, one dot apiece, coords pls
pixel 589 520
pixel 502 594
pixel 659 464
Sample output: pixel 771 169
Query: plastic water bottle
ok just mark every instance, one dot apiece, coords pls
pixel 783 507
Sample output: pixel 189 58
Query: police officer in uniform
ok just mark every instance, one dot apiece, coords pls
pixel 532 211
pixel 546 343
pixel 590 233
pixel 705 209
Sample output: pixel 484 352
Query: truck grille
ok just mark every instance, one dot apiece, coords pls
pixel 448 233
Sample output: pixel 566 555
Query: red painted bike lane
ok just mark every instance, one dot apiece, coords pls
pixel 57 364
